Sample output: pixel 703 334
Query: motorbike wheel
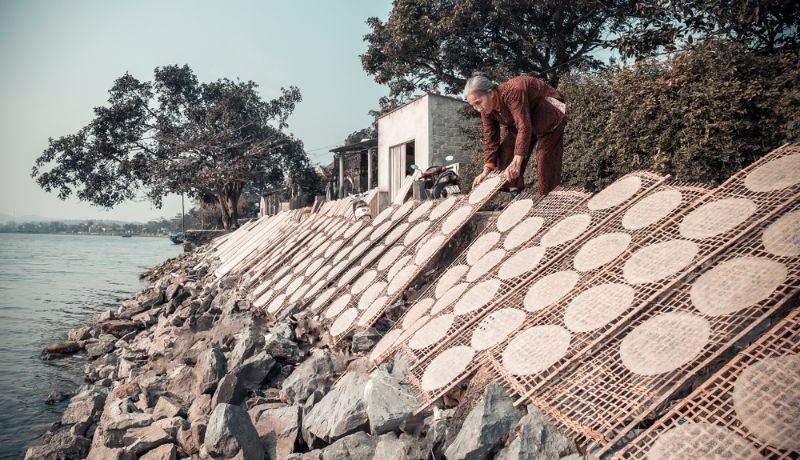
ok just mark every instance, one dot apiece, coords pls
pixel 439 191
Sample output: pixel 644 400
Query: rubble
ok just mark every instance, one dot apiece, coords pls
pixel 230 433
pixel 277 427
pixel 485 427
pixel 390 404
pixel 535 437
pixel 186 369
pixel 340 412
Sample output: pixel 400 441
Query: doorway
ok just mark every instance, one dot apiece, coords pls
pixel 401 157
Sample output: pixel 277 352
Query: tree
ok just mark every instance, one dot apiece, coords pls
pixel 435 45
pixel 760 25
pixel 355 137
pixel 699 116
pixel 428 45
pixel 174 135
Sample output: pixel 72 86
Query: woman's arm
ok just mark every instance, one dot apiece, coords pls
pixel 517 102
pixel 491 141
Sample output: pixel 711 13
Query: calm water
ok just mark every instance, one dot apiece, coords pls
pixel 48 284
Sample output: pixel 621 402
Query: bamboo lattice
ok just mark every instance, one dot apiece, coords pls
pixel 618 397
pixel 547 209
pixel 559 235
pixel 363 304
pixel 715 402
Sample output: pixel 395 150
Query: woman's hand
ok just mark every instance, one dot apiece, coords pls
pixel 480 177
pixel 513 169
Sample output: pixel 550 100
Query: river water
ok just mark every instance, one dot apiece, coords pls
pixel 48 284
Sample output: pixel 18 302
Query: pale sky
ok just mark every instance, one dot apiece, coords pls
pixel 59 58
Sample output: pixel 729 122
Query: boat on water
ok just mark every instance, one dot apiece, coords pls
pixel 176 237
pixel 126 235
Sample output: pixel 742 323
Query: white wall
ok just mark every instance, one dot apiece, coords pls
pixel 434 124
pixel 406 124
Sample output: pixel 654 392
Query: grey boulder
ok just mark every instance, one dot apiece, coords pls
pixel 485 427
pixel 340 412
pixel 84 409
pixel 164 431
pixel 163 452
pixel 390 403
pixel 403 447
pixel 208 371
pixel 537 438
pixel 245 346
pixel 61 445
pixel 313 374
pixel 357 446
pixel 281 348
pixel 254 370
pixel 230 433
pixel 277 428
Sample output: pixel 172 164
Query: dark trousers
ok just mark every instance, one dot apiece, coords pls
pixel 549 155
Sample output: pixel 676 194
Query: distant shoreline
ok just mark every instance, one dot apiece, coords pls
pixel 152 235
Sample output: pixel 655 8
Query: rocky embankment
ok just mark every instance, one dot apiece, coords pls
pixel 185 369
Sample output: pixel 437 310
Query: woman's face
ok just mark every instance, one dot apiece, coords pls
pixel 480 102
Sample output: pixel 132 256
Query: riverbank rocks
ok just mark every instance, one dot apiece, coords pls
pixel 84 410
pixel 535 437
pixel 283 349
pixel 235 385
pixel 103 345
pixel 192 370
pixel 404 447
pixel 60 350
pixel 354 447
pixel 119 327
pixel 485 427
pixel 340 412
pixel 191 439
pixel 57 395
pixel 150 299
pixel 79 333
pixel 313 374
pixel 61 445
pixel 390 404
pixel 230 433
pixel 200 408
pixel 209 369
pixel 163 452
pixel 140 440
pixel 247 342
pixel 166 408
pixel 277 427
pixel 254 370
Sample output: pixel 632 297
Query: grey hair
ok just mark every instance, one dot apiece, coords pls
pixel 479 83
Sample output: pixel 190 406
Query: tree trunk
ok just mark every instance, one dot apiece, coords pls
pixel 228 202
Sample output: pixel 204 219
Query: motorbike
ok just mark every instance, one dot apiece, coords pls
pixel 361 210
pixel 440 181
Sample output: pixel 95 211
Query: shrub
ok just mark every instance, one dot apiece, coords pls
pixel 699 116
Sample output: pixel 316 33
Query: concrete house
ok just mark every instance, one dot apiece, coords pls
pixel 354 168
pixel 422 132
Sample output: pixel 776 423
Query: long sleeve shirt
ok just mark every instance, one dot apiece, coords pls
pixel 522 108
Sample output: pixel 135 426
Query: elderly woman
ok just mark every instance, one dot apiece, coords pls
pixel 533 113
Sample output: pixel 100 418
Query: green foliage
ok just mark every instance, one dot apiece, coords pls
pixel 699 116
pixel 435 45
pixel 429 45
pixel 762 25
pixel 355 137
pixel 175 135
